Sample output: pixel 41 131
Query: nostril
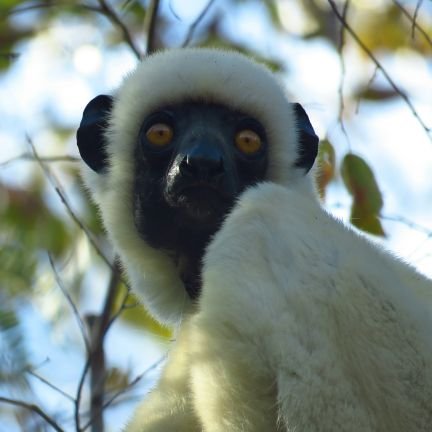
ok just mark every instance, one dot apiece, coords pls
pixel 186 168
pixel 202 167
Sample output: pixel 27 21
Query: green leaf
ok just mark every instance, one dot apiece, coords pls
pixel 116 379
pixel 326 166
pixel 136 315
pixel 376 94
pixel 367 199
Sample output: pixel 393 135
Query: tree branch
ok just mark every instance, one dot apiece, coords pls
pixel 133 383
pixel 35 409
pixel 195 24
pixel 46 382
pixel 57 187
pixel 343 73
pixel 71 304
pixel 112 15
pixel 79 395
pixel 150 26
pixel 417 9
pixel 379 66
pixel 409 223
pixel 31 158
pixel 98 325
pixel 413 20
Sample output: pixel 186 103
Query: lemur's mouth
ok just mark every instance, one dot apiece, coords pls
pixel 203 202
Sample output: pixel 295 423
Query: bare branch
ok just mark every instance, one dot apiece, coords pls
pixel 126 4
pixel 414 25
pixel 48 5
pixel 79 395
pixel 31 158
pixel 368 85
pixel 109 301
pixel 134 382
pixel 97 372
pixel 98 325
pixel 150 26
pixel 112 15
pixel 123 307
pixel 379 66
pixel 417 9
pixel 195 24
pixel 71 304
pixel 27 8
pixel 343 73
pixel 409 223
pixel 34 408
pixel 49 384
pixel 57 187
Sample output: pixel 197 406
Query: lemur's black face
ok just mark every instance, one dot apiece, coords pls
pixel 192 161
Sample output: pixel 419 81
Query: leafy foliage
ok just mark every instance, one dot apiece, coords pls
pixel 367 199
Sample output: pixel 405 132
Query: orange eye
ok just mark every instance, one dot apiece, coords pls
pixel 160 134
pixel 248 142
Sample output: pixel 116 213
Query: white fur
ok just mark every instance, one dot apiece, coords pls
pixel 166 78
pixel 303 325
pixel 324 315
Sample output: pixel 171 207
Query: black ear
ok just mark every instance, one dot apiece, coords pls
pixel 308 140
pixel 90 134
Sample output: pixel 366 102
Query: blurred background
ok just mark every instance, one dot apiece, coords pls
pixel 76 350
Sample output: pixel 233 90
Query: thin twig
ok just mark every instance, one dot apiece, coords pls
pixel 31 158
pixel 98 326
pixel 125 389
pixel 109 301
pixel 368 85
pixel 123 307
pixel 343 73
pixel 416 11
pixel 97 372
pixel 27 8
pixel 414 25
pixel 47 5
pixel 35 409
pixel 57 187
pixel 150 26
pixel 195 24
pixel 409 223
pixel 126 4
pixel 414 226
pixel 134 382
pixel 79 395
pixel 49 384
pixel 174 13
pixel 379 66
pixel 112 15
pixel 71 304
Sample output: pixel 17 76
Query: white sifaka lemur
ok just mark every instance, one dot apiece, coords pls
pixel 287 320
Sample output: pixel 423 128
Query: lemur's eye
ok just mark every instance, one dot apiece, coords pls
pixel 248 142
pixel 160 134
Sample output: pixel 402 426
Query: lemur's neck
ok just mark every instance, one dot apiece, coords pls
pixel 190 273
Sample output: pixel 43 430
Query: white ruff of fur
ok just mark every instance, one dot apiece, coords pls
pixel 213 76
pixel 303 325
